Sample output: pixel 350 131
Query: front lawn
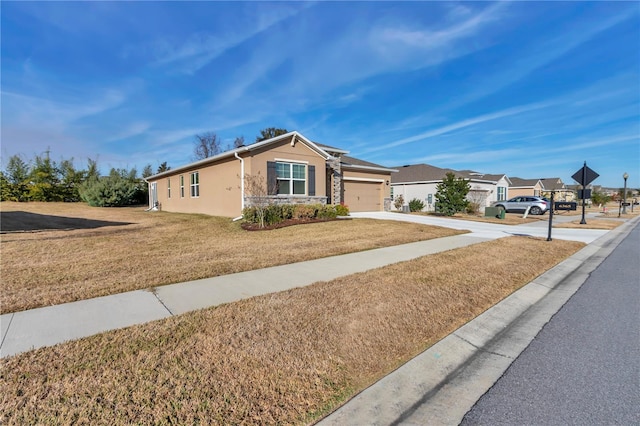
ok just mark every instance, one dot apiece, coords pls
pixel 61 252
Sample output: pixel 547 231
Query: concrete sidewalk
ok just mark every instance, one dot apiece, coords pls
pixel 36 328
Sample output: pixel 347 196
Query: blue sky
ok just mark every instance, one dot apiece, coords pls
pixel 529 89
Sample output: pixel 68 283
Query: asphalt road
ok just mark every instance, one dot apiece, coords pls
pixel 583 368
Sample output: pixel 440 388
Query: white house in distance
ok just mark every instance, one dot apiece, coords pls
pixel 420 181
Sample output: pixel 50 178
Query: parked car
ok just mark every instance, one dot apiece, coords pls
pixel 519 204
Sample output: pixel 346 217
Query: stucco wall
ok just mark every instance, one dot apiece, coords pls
pixel 420 191
pixel 219 190
pixel 257 163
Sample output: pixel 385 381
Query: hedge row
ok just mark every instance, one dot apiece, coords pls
pixel 276 213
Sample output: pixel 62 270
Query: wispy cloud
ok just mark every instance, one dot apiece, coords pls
pixel 459 125
pixel 541 52
pixel 199 49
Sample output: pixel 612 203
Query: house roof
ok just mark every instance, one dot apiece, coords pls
pixel 418 173
pixel 426 173
pixel 552 183
pixel 355 163
pixel 523 183
pixel 324 151
pixel 243 149
pixel 331 148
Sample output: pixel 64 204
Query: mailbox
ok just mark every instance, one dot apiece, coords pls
pixel 564 205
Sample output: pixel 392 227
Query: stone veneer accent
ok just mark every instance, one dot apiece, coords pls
pixel 334 165
pixel 282 199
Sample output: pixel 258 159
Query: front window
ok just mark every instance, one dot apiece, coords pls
pixel 168 187
pixel 181 186
pixel 291 178
pixel 502 193
pixel 195 184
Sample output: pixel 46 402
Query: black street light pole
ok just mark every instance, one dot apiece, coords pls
pixel 624 195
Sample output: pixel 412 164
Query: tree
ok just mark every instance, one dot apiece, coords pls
pixel 163 168
pixel 147 171
pixel 16 180
pixel 238 142
pixel 70 182
pixel 600 198
pixel 206 145
pixel 120 188
pixel 270 132
pixel 45 180
pixel 257 195
pixel 451 195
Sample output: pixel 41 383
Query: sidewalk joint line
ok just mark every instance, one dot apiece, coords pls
pixel 153 291
pixel 8 328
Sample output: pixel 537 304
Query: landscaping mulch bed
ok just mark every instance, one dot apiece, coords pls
pixel 248 226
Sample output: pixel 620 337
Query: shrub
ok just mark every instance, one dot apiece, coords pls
pixel 276 213
pixel 304 211
pixel 326 212
pixel 399 202
pixel 473 208
pixel 416 205
pixel 342 210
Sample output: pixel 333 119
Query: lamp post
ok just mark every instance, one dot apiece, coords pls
pixel 625 176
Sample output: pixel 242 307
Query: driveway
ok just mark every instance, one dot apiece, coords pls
pixel 493 230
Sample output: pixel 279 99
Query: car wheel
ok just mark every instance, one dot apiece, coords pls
pixel 535 210
pixel 501 208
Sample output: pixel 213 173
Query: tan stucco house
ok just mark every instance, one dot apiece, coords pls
pixel 521 187
pixel 295 170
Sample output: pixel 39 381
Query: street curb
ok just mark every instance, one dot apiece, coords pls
pixel 443 383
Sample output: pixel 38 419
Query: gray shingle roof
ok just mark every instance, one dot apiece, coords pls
pixel 519 182
pixel 428 173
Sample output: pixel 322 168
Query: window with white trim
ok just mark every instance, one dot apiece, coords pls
pixel 292 178
pixel 181 186
pixel 168 187
pixel 195 184
pixel 502 193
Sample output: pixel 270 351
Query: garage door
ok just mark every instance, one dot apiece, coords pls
pixel 363 196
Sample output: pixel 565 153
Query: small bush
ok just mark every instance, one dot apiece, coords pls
pixel 304 211
pixel 416 205
pixel 473 208
pixel 326 212
pixel 276 213
pixel 399 202
pixel 342 210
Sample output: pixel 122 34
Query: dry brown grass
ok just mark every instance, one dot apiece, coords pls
pixel 606 224
pixel 284 358
pixel 55 252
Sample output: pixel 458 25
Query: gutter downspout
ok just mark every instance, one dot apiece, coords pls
pixel 241 183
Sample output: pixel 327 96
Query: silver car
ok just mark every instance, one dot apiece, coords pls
pixel 538 205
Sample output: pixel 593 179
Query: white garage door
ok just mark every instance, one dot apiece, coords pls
pixel 363 196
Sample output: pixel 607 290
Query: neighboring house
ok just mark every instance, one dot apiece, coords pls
pixel 521 186
pixel 295 170
pixel 562 192
pixel 420 181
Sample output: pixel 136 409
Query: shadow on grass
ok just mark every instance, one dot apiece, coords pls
pixel 32 222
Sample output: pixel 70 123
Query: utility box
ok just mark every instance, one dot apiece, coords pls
pixel 496 212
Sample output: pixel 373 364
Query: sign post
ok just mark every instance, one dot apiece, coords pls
pixel 550 216
pixel 584 177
